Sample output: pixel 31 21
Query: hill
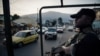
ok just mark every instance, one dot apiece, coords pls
pixel 32 18
pixel 50 15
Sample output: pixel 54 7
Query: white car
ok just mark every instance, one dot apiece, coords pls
pixel 44 29
pixel 70 28
pixel 60 29
pixel 51 33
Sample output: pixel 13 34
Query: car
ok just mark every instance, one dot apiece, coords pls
pixel 44 29
pixel 34 28
pixel 70 28
pixel 51 33
pixel 23 37
pixel 60 29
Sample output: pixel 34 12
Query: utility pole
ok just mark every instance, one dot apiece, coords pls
pixel 7 22
pixel 61 2
pixel 37 20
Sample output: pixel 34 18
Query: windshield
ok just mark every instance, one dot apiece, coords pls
pixel 52 30
pixel 20 34
pixel 59 25
pixel 43 28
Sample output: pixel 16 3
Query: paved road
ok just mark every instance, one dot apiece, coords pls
pixel 33 49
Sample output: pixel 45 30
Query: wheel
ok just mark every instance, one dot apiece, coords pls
pixel 62 32
pixel 36 39
pixel 55 37
pixel 20 44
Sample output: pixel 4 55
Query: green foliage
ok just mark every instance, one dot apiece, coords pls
pixel 15 16
pixel 47 23
pixel 60 21
pixel 50 23
pixel 54 22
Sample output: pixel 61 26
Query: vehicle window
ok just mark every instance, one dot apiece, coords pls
pixel 51 30
pixel 33 32
pixel 28 34
pixel 20 34
pixel 43 28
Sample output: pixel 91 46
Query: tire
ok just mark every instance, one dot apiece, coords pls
pixel 62 32
pixel 20 44
pixel 55 37
pixel 36 39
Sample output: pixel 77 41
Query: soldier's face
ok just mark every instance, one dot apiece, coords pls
pixel 82 21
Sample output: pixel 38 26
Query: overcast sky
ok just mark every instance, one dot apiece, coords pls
pixel 24 7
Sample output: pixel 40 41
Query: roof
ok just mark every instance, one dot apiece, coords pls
pixel 26 20
pixel 27 30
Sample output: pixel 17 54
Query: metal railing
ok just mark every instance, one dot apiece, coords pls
pixel 57 6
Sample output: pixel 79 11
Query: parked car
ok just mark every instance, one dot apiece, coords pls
pixel 23 37
pixel 51 33
pixel 44 29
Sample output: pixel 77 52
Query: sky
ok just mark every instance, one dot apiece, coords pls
pixel 24 7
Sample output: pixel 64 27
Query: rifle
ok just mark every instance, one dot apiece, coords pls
pixel 56 51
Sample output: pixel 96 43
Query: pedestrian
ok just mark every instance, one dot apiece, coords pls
pixel 86 42
pixel 96 23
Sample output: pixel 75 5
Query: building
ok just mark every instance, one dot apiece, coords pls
pixel 26 20
pixel 2 18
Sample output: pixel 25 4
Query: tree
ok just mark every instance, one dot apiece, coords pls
pixel 50 23
pixel 60 21
pixel 47 23
pixel 54 22
pixel 15 16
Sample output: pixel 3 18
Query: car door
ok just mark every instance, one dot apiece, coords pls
pixel 27 38
pixel 33 36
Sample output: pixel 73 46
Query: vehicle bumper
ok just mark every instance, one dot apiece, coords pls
pixel 50 36
pixel 60 31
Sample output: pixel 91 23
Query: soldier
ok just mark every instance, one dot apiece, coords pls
pixel 86 42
